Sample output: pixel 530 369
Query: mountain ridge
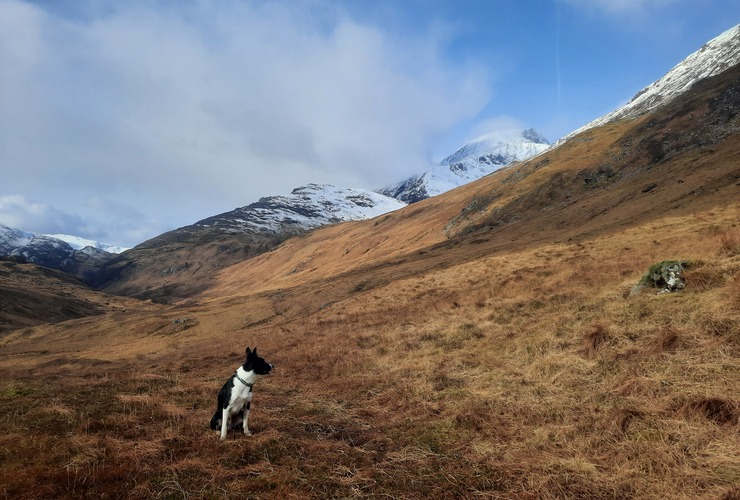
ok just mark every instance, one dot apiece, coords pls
pixel 177 264
pixel 53 252
pixel 714 57
pixel 172 259
pixel 306 207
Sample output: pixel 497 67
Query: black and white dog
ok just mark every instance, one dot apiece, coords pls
pixel 235 396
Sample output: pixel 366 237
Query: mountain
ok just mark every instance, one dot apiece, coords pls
pixel 53 252
pixel 79 243
pixel 480 343
pixel 179 263
pixel 472 161
pixel 182 262
pixel 717 55
pixel 306 207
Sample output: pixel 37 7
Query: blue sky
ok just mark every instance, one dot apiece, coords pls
pixel 120 120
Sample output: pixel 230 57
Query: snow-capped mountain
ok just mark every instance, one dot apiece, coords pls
pixel 48 251
pixel 82 243
pixel 33 247
pixel 472 161
pixel 18 243
pixel 713 58
pixel 306 207
pixel 179 263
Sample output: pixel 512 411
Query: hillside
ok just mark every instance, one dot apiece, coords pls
pixel 716 56
pixel 183 262
pixel 482 343
pixel 31 295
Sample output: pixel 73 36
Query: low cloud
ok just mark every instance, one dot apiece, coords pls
pixel 18 212
pixel 496 123
pixel 176 109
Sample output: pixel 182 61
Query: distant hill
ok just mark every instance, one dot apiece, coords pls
pixel 32 295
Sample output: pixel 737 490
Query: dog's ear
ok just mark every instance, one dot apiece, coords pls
pixel 249 351
pixel 255 351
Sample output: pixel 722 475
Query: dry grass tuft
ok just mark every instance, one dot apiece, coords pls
pixel 732 494
pixel 665 340
pixel 622 418
pixel 594 338
pixel 718 410
pixel 729 243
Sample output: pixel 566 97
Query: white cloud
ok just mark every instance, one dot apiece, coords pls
pixel 496 124
pixel 18 212
pixel 182 108
pixel 620 7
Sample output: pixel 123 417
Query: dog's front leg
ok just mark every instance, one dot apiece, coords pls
pixel 246 417
pixel 224 423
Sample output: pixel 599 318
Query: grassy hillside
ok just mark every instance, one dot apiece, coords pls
pixel 32 295
pixel 525 374
pixel 453 349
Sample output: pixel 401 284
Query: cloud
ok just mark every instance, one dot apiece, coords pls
pixel 496 124
pixel 18 212
pixel 619 7
pixel 181 108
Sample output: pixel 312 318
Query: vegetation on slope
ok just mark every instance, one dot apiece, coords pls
pixel 526 374
pixel 32 295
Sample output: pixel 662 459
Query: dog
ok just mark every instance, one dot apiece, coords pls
pixel 235 397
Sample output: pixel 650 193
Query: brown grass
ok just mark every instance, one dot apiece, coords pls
pixel 462 382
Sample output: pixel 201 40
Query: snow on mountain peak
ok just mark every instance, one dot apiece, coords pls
pixel 717 55
pixel 55 251
pixel 81 243
pixel 474 160
pixel 515 144
pixel 306 207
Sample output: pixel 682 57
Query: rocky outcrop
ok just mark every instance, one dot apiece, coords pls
pixel 666 277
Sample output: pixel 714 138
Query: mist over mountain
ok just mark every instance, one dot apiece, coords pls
pixel 472 161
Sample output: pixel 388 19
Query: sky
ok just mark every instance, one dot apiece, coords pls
pixel 123 119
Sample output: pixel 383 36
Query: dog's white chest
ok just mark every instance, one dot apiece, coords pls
pixel 240 395
pixel 241 392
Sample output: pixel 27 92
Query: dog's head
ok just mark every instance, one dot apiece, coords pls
pixel 255 362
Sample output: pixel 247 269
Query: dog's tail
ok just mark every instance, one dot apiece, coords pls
pixel 216 420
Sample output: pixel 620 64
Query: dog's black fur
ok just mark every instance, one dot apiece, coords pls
pixel 234 398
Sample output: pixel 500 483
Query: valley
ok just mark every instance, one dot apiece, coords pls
pixel 488 342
